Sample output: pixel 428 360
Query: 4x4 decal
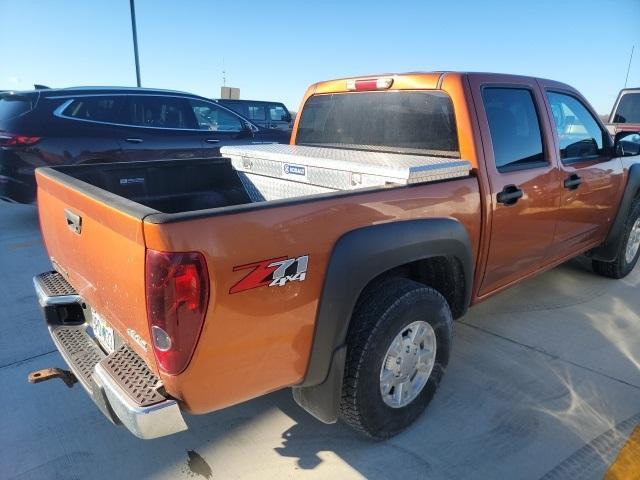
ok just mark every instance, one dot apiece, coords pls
pixel 274 272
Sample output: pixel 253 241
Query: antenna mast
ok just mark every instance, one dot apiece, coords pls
pixel 629 67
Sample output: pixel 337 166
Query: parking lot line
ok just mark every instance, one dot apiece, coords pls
pixel 627 464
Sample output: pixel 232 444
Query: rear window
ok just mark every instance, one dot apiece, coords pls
pixel 628 109
pixel 161 112
pixel 98 108
pixel 256 112
pixel 13 105
pixel 399 122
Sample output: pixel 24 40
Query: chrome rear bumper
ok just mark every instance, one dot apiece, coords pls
pixel 143 410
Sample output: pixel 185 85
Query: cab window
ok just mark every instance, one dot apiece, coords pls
pixel 256 112
pixel 628 110
pixel 514 127
pixel 277 113
pixel 578 131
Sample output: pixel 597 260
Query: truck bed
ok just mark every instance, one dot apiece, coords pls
pixel 252 174
pixel 167 186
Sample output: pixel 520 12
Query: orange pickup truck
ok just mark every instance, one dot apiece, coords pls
pixel 334 265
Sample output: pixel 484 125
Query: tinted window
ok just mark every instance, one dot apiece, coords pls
pixel 256 112
pixel 211 117
pixel 403 122
pixel 578 131
pixel 12 106
pixel 277 113
pixel 160 112
pixel 628 110
pixel 99 109
pixel 237 107
pixel 514 127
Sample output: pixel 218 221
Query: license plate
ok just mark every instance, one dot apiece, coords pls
pixel 102 331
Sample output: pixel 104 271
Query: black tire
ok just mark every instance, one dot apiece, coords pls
pixel 620 267
pixel 380 315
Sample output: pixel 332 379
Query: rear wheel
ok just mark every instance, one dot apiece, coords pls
pixel 628 249
pixel 397 349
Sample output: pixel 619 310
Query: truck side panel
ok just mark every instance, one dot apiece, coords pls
pixel 257 340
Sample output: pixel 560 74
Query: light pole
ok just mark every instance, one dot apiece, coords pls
pixel 135 40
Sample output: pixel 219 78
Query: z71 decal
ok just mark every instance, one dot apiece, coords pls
pixel 274 272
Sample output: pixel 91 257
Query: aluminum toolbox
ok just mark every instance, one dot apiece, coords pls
pixel 275 171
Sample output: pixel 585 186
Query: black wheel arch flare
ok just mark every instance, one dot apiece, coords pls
pixel 608 251
pixel 357 258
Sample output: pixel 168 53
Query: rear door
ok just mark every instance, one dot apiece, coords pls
pixel 591 176
pixel 159 127
pixel 83 129
pixel 523 177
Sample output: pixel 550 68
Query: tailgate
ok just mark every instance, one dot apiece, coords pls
pixel 99 247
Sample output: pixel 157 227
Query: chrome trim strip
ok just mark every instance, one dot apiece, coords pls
pixel 164 418
pixel 48 301
pixel 58 112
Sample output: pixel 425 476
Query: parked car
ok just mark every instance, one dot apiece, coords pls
pixel 625 115
pixel 334 265
pixel 96 125
pixel 266 114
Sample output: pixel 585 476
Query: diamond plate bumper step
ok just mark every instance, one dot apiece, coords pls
pixel 53 289
pixel 120 384
pixel 133 376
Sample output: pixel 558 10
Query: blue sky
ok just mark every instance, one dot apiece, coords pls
pixel 275 49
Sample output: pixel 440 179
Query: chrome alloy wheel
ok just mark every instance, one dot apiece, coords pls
pixel 633 242
pixel 407 364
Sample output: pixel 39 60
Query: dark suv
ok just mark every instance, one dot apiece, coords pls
pixel 265 114
pixel 102 124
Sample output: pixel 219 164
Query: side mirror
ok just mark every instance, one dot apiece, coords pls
pixel 286 117
pixel 626 144
pixel 247 130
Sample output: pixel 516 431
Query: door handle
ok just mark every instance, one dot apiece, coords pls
pixel 134 140
pixel 573 181
pixel 509 195
pixel 74 221
pixel 212 140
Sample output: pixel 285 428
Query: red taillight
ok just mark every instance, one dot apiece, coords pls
pixel 177 290
pixel 15 140
pixel 369 84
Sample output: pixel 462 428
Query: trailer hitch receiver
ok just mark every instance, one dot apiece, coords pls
pixel 50 373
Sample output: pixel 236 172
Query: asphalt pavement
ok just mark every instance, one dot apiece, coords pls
pixel 544 382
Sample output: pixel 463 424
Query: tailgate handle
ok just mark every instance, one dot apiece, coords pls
pixel 74 221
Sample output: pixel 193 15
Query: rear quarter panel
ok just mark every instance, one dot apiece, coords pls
pixel 259 340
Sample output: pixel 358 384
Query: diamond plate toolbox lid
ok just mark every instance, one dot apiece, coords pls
pixel 342 169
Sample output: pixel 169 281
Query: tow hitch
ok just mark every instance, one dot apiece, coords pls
pixel 50 373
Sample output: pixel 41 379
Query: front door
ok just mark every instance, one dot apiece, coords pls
pixel 219 127
pixel 591 177
pixel 523 178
